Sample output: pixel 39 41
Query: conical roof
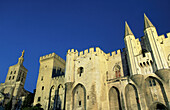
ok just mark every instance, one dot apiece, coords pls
pixel 147 22
pixel 127 30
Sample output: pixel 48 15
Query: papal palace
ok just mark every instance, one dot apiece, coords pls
pixel 134 78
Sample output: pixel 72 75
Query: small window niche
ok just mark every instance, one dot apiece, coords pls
pixel 42 87
pixel 39 99
pixel 80 103
pixel 80 71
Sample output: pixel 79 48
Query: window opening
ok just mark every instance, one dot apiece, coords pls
pixel 42 78
pixel 80 71
pixel 79 103
pixel 154 83
pixel 150 83
pixel 39 99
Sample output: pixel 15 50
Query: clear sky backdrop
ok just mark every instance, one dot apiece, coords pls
pixel 41 27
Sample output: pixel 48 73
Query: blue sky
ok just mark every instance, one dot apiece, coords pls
pixel 41 27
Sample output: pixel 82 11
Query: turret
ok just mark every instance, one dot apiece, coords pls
pixel 153 45
pixel 133 48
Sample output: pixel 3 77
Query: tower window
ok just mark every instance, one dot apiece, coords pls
pixel 21 79
pixel 42 87
pixel 14 72
pixel 150 83
pixel 9 77
pixel 154 83
pixel 79 103
pixel 11 72
pixel 151 62
pixel 41 78
pixel 147 62
pixel 80 71
pixel 39 99
pixel 13 77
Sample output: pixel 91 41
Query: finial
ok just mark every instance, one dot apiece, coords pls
pixel 147 22
pixel 127 29
pixel 23 53
pixel 21 59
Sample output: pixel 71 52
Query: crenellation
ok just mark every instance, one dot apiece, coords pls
pixel 91 50
pixel 81 53
pixel 52 55
pixel 168 35
pixel 86 51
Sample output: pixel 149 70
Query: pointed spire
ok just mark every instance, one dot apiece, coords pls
pixel 147 22
pixel 127 30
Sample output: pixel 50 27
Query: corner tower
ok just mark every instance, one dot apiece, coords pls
pixel 153 45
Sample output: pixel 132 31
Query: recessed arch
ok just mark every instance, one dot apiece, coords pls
pixel 154 92
pixel 79 97
pixel 158 106
pixel 52 98
pixel 132 98
pixel 114 99
pixel 60 97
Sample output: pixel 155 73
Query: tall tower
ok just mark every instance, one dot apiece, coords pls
pixel 50 74
pixel 132 49
pixel 15 80
pixel 153 45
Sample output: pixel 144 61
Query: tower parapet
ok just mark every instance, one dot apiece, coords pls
pixel 52 55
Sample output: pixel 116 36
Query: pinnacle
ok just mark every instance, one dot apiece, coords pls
pixel 127 30
pixel 147 22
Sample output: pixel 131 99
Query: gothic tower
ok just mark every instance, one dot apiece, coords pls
pixel 153 45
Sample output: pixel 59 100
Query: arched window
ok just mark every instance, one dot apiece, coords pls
pixel 117 70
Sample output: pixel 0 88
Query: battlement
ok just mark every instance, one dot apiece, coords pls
pixel 96 50
pixel 114 53
pixel 162 38
pixel 52 55
pixel 87 51
pixel 168 35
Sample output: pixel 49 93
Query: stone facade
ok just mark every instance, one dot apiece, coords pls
pixel 136 78
pixel 13 88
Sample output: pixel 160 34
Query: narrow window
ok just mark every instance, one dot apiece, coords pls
pixel 79 103
pixel 11 72
pixel 151 62
pixel 42 87
pixel 13 77
pixel 41 78
pixel 144 63
pixel 39 99
pixel 141 64
pixel 150 83
pixel 9 77
pixel 147 62
pixel 21 79
pixel 154 83
pixel 14 72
